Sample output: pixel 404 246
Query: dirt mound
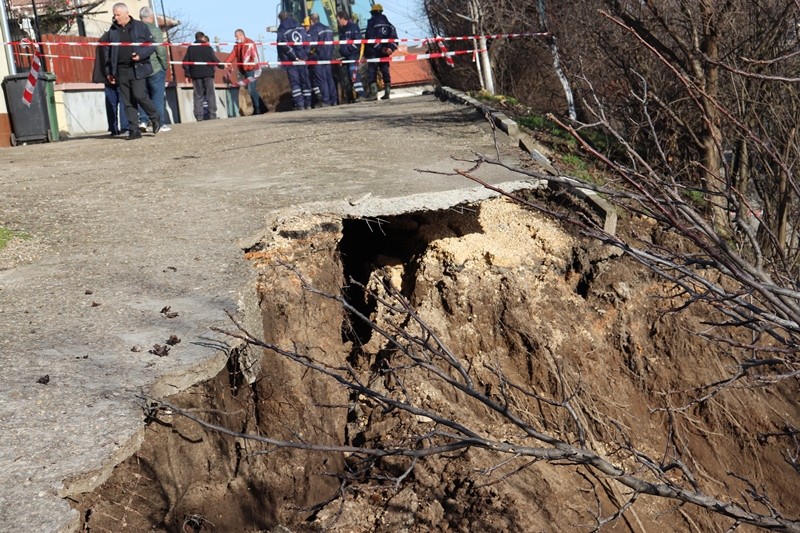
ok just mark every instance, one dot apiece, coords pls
pixel 569 336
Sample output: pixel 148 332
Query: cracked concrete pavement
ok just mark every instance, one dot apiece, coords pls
pixel 123 230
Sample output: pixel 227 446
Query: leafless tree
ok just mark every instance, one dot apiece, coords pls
pixel 560 431
pixel 693 97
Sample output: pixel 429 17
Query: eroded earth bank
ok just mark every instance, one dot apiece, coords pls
pixel 489 305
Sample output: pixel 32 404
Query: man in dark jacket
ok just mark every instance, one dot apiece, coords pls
pixel 289 31
pixel 202 76
pixel 323 74
pixel 115 110
pixel 348 30
pixel 129 66
pixel 379 27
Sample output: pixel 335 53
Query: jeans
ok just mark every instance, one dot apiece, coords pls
pixel 156 91
pixel 115 110
pixel 259 106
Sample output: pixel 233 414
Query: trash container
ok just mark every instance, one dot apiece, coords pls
pixel 37 122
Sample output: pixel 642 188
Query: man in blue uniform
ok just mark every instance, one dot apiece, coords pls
pixel 323 74
pixel 379 27
pixel 348 30
pixel 289 31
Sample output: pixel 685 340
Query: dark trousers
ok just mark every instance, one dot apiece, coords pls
pixel 323 80
pixel 115 110
pixel 134 94
pixel 204 92
pixel 372 73
pixel 300 85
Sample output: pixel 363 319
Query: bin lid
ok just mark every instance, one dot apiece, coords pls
pixel 47 76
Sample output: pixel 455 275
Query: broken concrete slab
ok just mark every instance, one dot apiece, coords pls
pixel 127 229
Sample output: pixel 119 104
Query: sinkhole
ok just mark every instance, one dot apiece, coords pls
pixel 464 269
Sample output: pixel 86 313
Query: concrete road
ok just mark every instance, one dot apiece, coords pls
pixel 124 229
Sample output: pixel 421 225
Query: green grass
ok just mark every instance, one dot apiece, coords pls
pixel 7 234
pixel 501 98
pixel 580 168
pixel 563 142
pixel 695 196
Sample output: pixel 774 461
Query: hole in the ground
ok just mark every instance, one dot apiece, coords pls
pixel 368 245
pixel 184 476
pixel 502 298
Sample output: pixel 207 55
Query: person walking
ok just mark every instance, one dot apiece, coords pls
pixel 379 27
pixel 156 82
pixel 245 59
pixel 129 66
pixel 115 109
pixel 202 76
pixel 323 74
pixel 348 31
pixel 289 31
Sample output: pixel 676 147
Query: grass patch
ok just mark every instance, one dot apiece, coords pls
pixel 579 167
pixel 495 98
pixel 7 234
pixel 696 196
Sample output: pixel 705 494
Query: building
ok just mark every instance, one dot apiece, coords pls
pixel 69 17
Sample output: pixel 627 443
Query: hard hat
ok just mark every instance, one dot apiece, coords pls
pixel 377 7
pixel 306 22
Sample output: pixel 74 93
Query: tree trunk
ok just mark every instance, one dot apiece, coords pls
pixel 540 7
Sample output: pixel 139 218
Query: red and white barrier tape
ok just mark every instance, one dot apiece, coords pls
pixel 422 40
pixel 448 56
pixel 33 76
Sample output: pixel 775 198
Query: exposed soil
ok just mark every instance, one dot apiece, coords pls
pixel 512 294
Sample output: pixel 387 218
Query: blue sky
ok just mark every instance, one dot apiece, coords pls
pixel 253 16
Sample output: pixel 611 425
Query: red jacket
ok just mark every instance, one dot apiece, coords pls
pixel 244 52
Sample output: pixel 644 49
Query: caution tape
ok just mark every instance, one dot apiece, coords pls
pixel 303 43
pixel 309 62
pixel 33 75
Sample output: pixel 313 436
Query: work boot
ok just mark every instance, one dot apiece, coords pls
pixel 386 90
pixel 373 92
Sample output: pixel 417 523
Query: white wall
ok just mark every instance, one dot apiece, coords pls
pixel 82 112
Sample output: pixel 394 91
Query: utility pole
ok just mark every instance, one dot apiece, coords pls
pixel 6 33
pixel 77 10
pixel 38 33
pixel 169 39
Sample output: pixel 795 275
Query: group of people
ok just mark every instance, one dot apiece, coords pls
pixel 318 80
pixel 134 76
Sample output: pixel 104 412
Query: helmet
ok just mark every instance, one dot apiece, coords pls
pixel 377 7
pixel 306 22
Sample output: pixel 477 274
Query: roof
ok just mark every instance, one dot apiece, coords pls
pixel 410 73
